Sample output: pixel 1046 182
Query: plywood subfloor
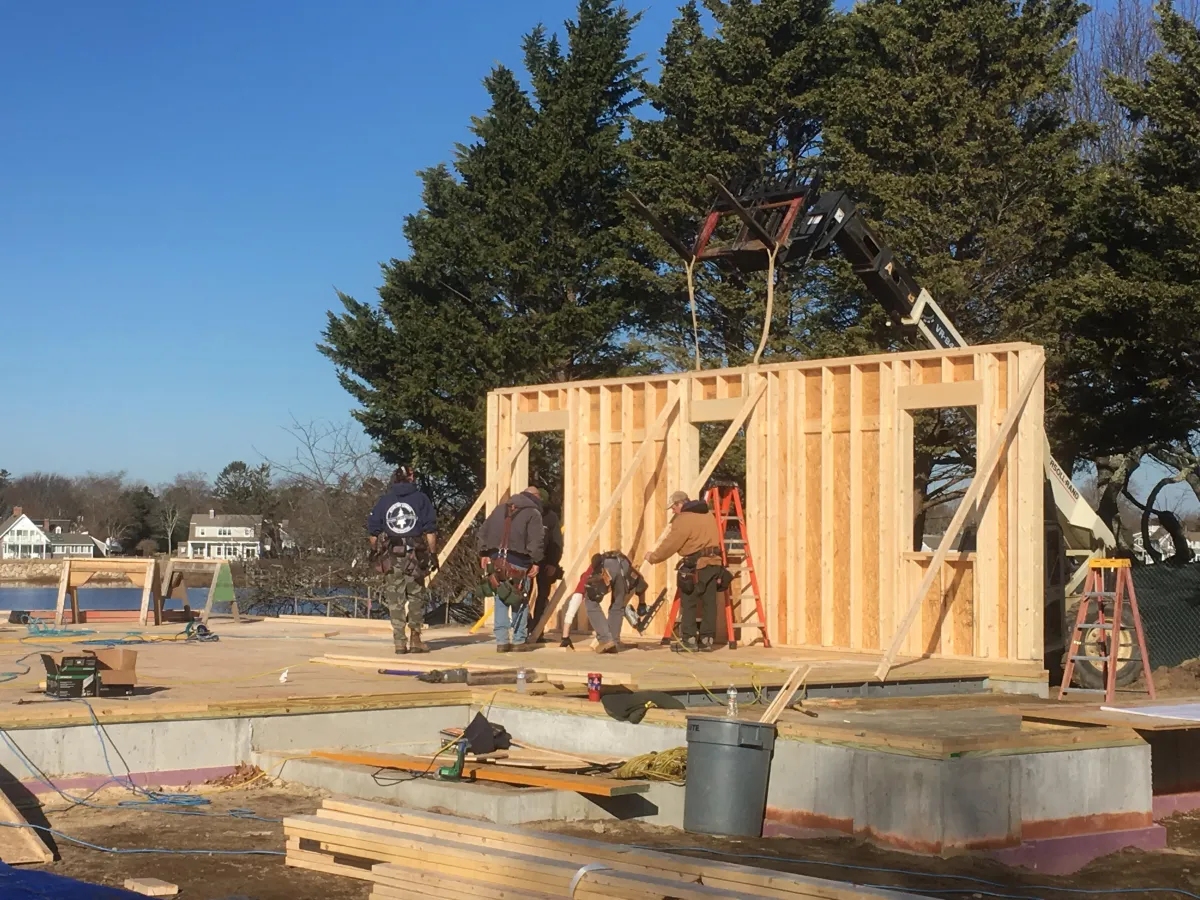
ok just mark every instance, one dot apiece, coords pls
pixel 240 674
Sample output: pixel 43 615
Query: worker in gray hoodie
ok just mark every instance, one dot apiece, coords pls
pixel 511 545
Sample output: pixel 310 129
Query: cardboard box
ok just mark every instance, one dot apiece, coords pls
pixel 118 666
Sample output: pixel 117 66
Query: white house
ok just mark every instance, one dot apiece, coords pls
pixel 215 536
pixel 20 538
pixel 1163 543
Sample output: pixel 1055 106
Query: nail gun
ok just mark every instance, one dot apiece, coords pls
pixel 641 618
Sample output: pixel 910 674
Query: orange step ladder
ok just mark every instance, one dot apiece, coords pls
pixel 725 501
pixel 1108 628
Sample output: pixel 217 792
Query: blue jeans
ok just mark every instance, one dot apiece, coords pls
pixel 515 617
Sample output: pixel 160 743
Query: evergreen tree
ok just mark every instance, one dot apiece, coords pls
pixel 736 103
pixel 242 489
pixel 947 124
pixel 516 267
pixel 1130 320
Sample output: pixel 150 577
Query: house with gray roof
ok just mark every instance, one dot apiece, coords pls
pixel 215 535
pixel 75 545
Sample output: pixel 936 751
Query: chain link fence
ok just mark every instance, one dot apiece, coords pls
pixel 1169 599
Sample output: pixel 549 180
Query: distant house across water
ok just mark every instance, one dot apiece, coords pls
pixel 219 536
pixel 21 537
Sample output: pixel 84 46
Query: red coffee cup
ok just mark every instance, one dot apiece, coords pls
pixel 594 680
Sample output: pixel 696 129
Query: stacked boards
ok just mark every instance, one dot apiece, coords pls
pixel 419 855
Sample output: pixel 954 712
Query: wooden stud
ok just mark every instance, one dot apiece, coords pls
pixel 1015 409
pixel 572 572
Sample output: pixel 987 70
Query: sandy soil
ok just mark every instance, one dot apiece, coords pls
pixel 199 877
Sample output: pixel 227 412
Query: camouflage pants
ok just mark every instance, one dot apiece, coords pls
pixel 405 598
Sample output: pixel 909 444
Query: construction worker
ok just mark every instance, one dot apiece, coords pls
pixel 403 533
pixel 511 543
pixel 694 535
pixel 609 572
pixel 550 569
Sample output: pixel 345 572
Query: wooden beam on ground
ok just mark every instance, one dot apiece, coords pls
pixel 22 844
pixel 743 880
pixel 978 483
pixel 574 570
pixel 573 676
pixel 560 781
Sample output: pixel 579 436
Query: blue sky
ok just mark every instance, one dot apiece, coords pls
pixel 182 186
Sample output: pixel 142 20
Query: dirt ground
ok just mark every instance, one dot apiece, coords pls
pixel 206 877
pixel 842 859
pixel 201 877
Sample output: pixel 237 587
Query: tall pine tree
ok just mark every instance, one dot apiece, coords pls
pixel 736 103
pixel 947 124
pixel 515 273
pixel 1130 320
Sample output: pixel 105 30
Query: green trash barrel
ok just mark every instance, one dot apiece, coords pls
pixel 728 766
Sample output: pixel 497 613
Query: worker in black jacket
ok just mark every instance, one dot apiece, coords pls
pixel 403 535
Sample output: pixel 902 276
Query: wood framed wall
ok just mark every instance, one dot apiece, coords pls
pixel 829 488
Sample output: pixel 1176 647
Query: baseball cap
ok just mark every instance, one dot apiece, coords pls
pixel 677 497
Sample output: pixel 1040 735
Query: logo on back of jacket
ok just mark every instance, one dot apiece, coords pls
pixel 400 518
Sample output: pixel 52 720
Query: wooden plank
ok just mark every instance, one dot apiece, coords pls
pixel 718 410
pixel 559 781
pixel 578 851
pixel 796 512
pixel 768 559
pixel 20 845
pixel 854 510
pixel 1030 447
pixel 1011 419
pixel 64 582
pixel 764 368
pixel 940 396
pixel 147 593
pixel 542 420
pixel 843 513
pixel 575 676
pixel 572 572
pixel 828 512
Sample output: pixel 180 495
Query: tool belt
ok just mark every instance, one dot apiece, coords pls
pixel 687 573
pixel 508 583
pixel 403 556
pixel 504 580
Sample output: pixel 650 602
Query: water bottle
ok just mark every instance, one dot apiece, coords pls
pixel 520 681
pixel 731 709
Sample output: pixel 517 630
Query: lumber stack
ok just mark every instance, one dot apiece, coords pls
pixel 412 854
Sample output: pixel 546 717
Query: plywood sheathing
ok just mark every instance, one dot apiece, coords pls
pixel 828 489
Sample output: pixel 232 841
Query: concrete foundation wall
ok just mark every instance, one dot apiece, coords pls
pixel 940 805
pixel 209 743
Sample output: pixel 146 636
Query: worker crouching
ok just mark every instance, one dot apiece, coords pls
pixel 511 543
pixel 701 574
pixel 609 573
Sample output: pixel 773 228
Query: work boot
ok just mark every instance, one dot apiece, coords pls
pixel 687 645
pixel 416 645
pixel 504 648
pixel 401 649
pixel 526 647
pixel 606 647
pixel 566 644
pixel 706 645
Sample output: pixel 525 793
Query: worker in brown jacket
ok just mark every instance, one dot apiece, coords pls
pixel 694 536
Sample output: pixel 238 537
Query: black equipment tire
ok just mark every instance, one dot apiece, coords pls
pixel 1089 674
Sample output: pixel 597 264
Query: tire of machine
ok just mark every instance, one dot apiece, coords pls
pixel 1090 674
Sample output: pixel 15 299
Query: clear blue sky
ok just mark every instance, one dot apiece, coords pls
pixel 182 185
